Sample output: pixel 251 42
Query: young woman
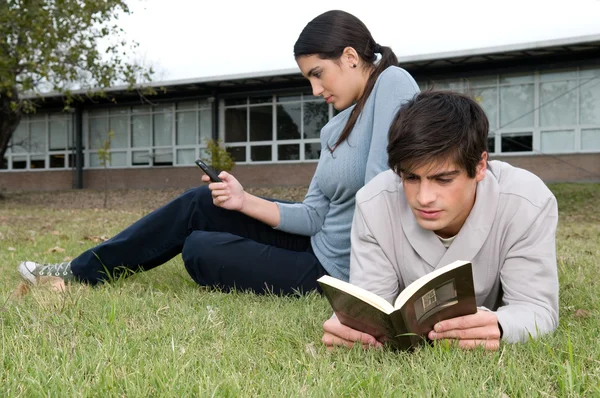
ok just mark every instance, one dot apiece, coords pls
pixel 229 238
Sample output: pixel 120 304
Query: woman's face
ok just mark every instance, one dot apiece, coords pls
pixel 337 82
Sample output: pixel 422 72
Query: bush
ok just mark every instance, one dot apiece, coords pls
pixel 217 156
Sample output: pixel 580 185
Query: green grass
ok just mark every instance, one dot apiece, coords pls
pixel 159 334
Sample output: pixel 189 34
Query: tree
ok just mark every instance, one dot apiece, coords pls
pixel 104 155
pixel 53 45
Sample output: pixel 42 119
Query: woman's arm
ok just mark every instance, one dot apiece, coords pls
pixel 230 195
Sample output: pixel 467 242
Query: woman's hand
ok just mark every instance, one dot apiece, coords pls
pixel 228 194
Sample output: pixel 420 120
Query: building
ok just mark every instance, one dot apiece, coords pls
pixel 542 99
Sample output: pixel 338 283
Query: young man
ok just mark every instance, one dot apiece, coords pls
pixel 443 201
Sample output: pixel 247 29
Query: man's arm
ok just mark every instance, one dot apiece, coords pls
pixel 530 280
pixel 530 292
pixel 369 269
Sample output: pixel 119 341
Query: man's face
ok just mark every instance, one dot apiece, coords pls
pixel 441 195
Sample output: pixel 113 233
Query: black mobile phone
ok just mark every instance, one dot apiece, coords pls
pixel 209 172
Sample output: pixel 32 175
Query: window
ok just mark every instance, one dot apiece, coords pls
pixel 557 141
pixel 274 128
pixel 41 141
pixel 162 135
pixel 516 142
pixel 548 111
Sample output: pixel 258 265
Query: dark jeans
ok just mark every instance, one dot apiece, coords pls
pixel 219 247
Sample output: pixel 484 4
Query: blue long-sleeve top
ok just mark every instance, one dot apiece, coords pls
pixel 327 210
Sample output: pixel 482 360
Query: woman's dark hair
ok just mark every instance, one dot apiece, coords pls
pixel 328 35
pixel 435 126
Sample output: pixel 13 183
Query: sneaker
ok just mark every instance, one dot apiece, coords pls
pixel 32 272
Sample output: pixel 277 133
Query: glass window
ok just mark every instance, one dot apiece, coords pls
pixel 206 104
pixel 186 128
pixel 98 132
pixel 260 153
pixel 57 161
pixel 95 160
pixel 20 138
pixel 261 99
pixel 449 85
pixel 289 121
pixel 517 142
pixel 261 123
pixel 516 78
pixel 163 123
pixel 186 156
pixel 141 109
pixel 557 141
pixel 516 106
pixel 118 125
pixel 487 98
pixel 189 105
pixel 558 103
pixel 118 159
pixel 140 158
pixel 163 157
pixel 235 101
pixel 589 102
pixel 312 150
pixel 140 131
pixel 589 72
pixel 58 134
pixel 205 123
pixel 316 115
pixel 590 139
pixel 19 162
pixel 564 74
pixel 288 152
pixel 37 137
pixel 479 81
pixel 288 98
pixel 235 125
pixel 491 143
pixel 37 162
pixel 238 153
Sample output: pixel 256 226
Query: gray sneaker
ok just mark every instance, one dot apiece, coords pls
pixel 32 272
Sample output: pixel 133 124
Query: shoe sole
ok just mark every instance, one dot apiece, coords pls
pixel 26 274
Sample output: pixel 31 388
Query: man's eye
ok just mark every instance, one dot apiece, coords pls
pixel 317 75
pixel 410 178
pixel 444 180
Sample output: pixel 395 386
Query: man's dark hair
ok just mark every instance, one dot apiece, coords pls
pixel 436 126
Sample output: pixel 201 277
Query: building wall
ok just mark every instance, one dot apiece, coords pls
pixel 557 168
pixel 544 119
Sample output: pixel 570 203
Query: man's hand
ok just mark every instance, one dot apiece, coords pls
pixel 471 331
pixel 337 334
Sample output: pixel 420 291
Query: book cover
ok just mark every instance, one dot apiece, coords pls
pixel 443 294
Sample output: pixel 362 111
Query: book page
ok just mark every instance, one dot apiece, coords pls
pixel 416 285
pixel 364 295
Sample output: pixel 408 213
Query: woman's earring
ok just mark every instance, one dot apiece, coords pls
pixel 354 65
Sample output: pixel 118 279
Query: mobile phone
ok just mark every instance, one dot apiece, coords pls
pixel 209 172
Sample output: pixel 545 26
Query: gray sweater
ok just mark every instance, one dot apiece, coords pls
pixel 327 210
pixel 509 237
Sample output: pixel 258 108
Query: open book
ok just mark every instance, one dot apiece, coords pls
pixel 445 293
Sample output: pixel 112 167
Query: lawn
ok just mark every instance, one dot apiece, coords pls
pixel 159 334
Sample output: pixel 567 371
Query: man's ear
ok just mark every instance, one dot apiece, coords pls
pixel 481 167
pixel 350 57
